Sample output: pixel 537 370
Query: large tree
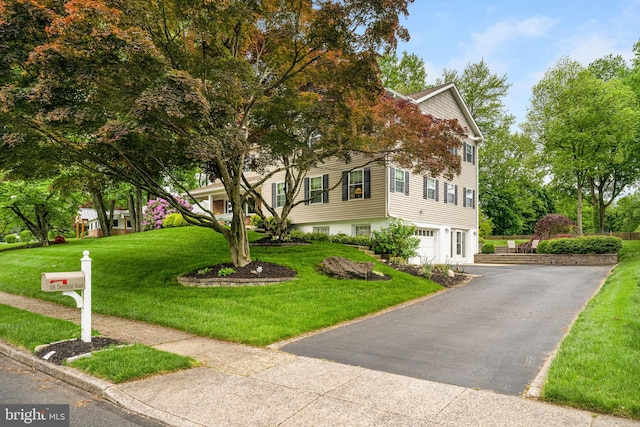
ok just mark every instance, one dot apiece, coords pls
pixel 511 193
pixel 587 128
pixel 141 89
pixel 405 75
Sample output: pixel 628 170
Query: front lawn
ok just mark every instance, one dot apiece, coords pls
pixel 134 276
pixel 598 364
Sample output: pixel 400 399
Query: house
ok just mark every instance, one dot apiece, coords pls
pixel 120 222
pixel 444 212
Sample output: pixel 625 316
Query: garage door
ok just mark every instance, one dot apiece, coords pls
pixel 427 248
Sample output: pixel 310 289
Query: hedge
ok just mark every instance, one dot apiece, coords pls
pixel 581 245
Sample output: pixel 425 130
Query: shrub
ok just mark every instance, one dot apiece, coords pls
pixel 157 210
pixel 11 238
pixel 552 225
pixel 174 220
pixel 581 245
pixel 256 221
pixel 397 239
pixel 26 236
pixel 58 240
pixel 488 248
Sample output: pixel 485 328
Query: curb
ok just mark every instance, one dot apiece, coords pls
pixel 93 385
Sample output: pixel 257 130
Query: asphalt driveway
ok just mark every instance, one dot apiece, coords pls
pixel 494 333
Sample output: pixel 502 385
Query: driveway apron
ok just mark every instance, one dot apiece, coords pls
pixel 494 333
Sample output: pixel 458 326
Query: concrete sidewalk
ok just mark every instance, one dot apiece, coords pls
pixel 240 385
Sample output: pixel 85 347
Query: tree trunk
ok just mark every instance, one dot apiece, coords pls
pixel 238 241
pixel 133 215
pixel 138 206
pixel 579 209
pixel 98 205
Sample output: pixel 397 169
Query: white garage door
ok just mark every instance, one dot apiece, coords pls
pixel 427 248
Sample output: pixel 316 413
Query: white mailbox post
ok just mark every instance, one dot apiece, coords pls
pixel 69 283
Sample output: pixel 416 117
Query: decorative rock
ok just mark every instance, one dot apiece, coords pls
pixel 344 268
pixel 450 273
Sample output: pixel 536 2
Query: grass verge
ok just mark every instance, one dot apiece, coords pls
pixel 120 364
pixel 598 364
pixel 134 276
pixel 28 330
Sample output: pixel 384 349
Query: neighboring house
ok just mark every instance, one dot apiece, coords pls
pixel 120 223
pixel 444 212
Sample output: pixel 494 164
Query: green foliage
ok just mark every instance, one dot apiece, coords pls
pixel 581 245
pixel 26 236
pixel 397 239
pixel 552 225
pixel 227 271
pixel 405 75
pixel 256 221
pixel 488 248
pixel 11 238
pixel 174 220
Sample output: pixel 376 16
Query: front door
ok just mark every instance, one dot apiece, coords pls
pixel 459 246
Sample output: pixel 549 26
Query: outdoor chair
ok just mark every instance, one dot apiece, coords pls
pixel 534 245
pixel 511 244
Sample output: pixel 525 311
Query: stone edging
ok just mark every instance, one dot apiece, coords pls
pixel 220 282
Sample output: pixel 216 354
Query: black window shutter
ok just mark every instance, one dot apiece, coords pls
pixel 464 197
pixel 306 191
pixel 367 183
pixel 455 197
pixel 473 159
pixel 325 188
pixel 437 190
pixel 392 179
pixel 345 186
pixel 425 190
pixel 406 183
pixel 274 197
pixel 445 193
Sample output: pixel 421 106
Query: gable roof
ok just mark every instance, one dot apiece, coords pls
pixel 425 94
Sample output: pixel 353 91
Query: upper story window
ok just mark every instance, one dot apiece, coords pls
pixel 469 153
pixel 451 193
pixel 430 190
pixel 469 198
pixel 356 184
pixel 280 194
pixel 399 181
pixel 316 190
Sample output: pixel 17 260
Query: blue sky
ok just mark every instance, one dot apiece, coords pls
pixel 521 39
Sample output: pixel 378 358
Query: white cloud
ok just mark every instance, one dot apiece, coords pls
pixel 502 33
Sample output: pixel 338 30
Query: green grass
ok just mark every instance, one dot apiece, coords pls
pixel 28 330
pixel 134 276
pixel 598 364
pixel 120 364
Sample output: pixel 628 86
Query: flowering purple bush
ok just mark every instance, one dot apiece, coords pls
pixel 157 210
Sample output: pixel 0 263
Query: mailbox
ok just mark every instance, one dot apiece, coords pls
pixel 69 281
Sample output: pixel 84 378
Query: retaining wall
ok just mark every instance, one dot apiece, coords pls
pixel 549 259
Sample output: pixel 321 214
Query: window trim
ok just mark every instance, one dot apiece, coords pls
pixel 398 186
pixel 324 190
pixel 447 193
pixel 275 194
pixel 469 202
pixel 366 185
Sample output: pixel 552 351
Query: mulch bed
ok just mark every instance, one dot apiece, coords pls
pixel 66 349
pixel 437 276
pixel 249 271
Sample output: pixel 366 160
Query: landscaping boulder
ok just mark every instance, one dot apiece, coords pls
pixel 343 268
